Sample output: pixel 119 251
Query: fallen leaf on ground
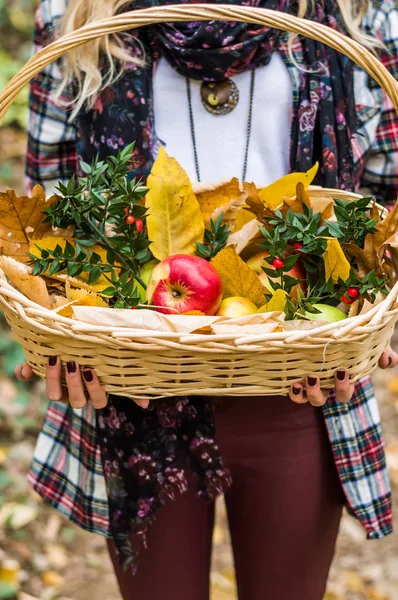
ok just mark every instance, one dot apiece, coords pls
pixel 16 515
pixel 52 578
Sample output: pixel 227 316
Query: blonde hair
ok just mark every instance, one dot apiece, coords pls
pixel 85 64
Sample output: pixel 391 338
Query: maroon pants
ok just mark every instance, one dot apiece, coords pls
pixel 284 509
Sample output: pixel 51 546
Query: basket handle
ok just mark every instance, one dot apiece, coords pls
pixel 201 12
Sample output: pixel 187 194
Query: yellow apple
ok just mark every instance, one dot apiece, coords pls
pixel 236 306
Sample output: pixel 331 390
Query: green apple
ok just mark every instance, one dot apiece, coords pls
pixel 145 275
pixel 327 313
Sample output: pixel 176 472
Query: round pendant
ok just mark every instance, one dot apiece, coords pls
pixel 219 97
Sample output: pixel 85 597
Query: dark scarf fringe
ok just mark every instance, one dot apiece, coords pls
pixel 148 458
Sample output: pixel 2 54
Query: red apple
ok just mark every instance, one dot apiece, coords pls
pixel 183 283
pixel 258 261
pixel 236 306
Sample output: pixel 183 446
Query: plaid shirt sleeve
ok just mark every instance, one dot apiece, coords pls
pixel 51 153
pixel 380 157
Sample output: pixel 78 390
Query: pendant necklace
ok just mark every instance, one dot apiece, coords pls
pixel 220 98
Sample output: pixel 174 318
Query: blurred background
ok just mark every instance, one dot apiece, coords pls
pixel 42 555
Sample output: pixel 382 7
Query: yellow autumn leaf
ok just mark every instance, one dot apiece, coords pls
pixel 243 216
pixel 175 222
pixel 82 298
pixel 20 275
pixel 336 264
pixel 213 201
pixel 273 194
pixel 58 301
pixel 81 280
pixel 277 302
pixel 237 278
pixel 21 219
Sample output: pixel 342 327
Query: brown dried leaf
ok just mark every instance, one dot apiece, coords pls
pixel 254 203
pixel 296 204
pixel 361 258
pixel 219 199
pixel 374 241
pixel 237 278
pixel 21 218
pixel 32 286
pixel 54 232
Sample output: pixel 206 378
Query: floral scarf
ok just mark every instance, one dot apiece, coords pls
pixel 147 454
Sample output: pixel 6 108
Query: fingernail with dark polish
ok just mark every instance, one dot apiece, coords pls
pixel 71 366
pixel 311 381
pixel 296 390
pixel 88 375
pixel 52 361
pixel 340 375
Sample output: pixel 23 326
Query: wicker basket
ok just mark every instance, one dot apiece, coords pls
pixel 171 364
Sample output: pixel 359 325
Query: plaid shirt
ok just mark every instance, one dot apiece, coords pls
pixel 67 469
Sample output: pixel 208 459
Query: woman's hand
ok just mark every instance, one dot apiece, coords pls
pixel 311 392
pixel 80 384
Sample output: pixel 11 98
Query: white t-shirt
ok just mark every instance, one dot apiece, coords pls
pixel 221 139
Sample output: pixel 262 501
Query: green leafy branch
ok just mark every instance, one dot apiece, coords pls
pixel 215 239
pixel 353 221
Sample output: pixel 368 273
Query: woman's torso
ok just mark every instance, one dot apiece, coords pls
pixel 221 139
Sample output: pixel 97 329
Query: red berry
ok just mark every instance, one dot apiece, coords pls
pixel 297 246
pixel 353 292
pixel 129 219
pixel 347 300
pixel 126 210
pixel 278 263
pixel 139 225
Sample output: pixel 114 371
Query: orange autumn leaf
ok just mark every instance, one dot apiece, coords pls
pixel 20 275
pixel 20 219
pixel 218 199
pixel 237 278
